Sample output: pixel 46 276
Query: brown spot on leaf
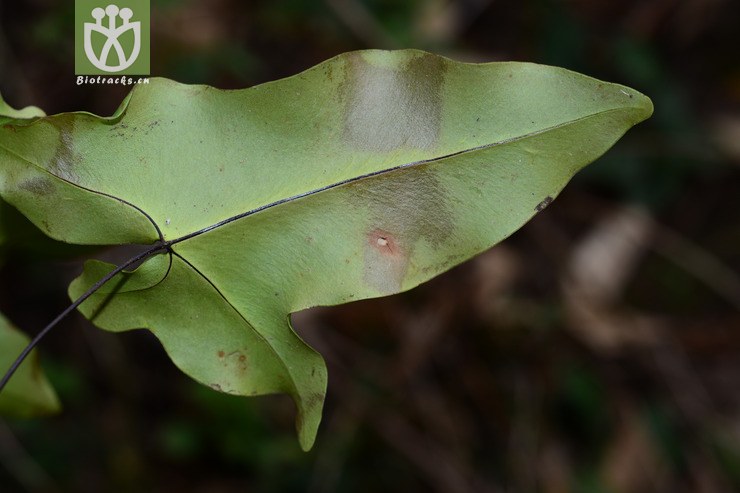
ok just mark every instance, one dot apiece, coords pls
pixel 315 399
pixel 541 206
pixel 37 186
pixel 235 361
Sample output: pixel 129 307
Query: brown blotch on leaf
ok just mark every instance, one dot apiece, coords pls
pixel 405 206
pixel 37 186
pixel 409 202
pixel 235 360
pixel 541 206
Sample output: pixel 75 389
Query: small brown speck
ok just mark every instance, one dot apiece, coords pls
pixel 541 206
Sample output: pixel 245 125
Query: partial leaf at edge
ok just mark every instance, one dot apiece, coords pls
pixel 365 176
pixel 28 393
pixel 8 113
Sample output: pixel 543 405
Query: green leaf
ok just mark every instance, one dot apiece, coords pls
pixel 8 113
pixel 361 177
pixel 28 393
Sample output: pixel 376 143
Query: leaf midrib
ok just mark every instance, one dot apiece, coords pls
pixel 387 171
pixel 167 243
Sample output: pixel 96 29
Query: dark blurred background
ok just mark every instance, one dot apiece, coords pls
pixel 596 350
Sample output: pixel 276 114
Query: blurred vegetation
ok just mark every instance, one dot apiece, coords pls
pixel 597 350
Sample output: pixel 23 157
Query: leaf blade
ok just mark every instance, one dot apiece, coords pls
pixel 375 171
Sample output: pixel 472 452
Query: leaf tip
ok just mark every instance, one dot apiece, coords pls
pixel 308 420
pixel 310 404
pixel 646 105
pixel 641 103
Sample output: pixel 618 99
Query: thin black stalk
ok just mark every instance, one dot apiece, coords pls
pixel 31 345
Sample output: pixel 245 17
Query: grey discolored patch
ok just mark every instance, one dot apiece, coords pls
pixel 65 157
pixel 405 205
pixel 541 206
pixel 37 186
pixel 388 108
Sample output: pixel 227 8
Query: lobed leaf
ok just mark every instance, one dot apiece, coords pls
pixel 361 177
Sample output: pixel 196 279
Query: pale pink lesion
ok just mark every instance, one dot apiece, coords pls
pixel 386 261
pixel 384 242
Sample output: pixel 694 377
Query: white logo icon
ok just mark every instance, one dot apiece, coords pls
pixel 112 33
